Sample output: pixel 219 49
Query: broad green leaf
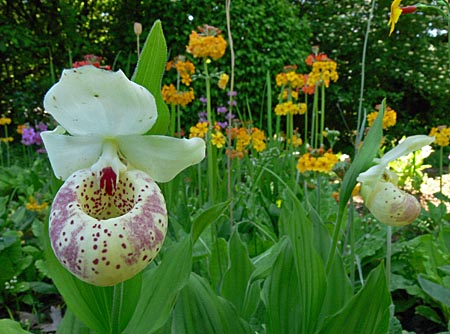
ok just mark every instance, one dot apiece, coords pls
pixel 264 262
pixel 70 324
pixel 218 262
pixel 367 312
pixel 160 288
pixel 236 278
pixel 8 326
pixel 281 295
pixel 149 73
pixel 428 313
pixel 309 265
pixel 435 291
pixel 200 310
pixel 206 218
pixel 252 299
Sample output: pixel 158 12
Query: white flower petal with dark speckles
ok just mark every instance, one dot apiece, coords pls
pixel 104 240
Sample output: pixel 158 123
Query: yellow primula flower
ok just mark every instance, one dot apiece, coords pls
pixel 223 80
pixel 32 205
pixel 199 130
pixel 177 97
pixel 389 118
pixel 218 139
pixel 258 140
pixel 441 134
pixel 208 44
pixel 5 120
pixel 322 164
pixel 7 139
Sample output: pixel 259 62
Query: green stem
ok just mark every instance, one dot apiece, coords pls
pixel 305 135
pixel 116 308
pixel 172 119
pixel 209 148
pixel 314 120
pixel 322 115
pixel 388 255
pixel 179 121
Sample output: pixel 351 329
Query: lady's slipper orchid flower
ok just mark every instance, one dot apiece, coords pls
pixel 383 198
pixel 109 219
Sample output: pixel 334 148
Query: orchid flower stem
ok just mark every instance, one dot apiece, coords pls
pixel 388 255
pixel 363 73
pixel 116 308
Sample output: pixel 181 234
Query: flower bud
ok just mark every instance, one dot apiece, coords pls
pixel 137 28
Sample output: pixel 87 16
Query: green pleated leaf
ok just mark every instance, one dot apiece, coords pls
pixel 236 278
pixel 264 262
pixel 218 262
pixel 8 326
pixel 435 291
pixel 160 288
pixel 200 310
pixel 206 218
pixel 367 312
pixel 70 324
pixel 149 73
pixel 282 295
pixel 92 304
pixel 311 280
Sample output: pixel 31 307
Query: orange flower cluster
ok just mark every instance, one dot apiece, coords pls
pixel 323 70
pixel 317 161
pixel 208 43
pixel 244 138
pixel 442 135
pixel 177 97
pixel 184 67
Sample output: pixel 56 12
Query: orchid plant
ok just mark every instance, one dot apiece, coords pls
pixel 389 204
pixel 109 219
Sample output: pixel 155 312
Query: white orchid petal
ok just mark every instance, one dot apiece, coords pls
pixel 161 157
pixel 373 174
pixel 68 154
pixel 92 101
pixel 410 144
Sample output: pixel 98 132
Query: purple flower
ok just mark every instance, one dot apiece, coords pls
pixel 203 99
pixel 28 136
pixel 202 116
pixel 41 126
pixel 232 93
pixel 223 125
pixel 230 116
pixel 221 110
pixel 233 102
